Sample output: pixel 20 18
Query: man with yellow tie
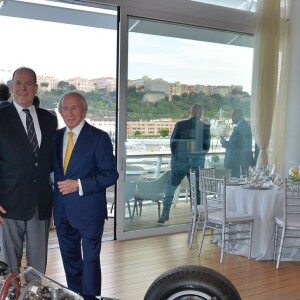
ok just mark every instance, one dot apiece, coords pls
pixel 84 166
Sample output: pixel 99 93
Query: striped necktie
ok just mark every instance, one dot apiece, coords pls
pixel 69 150
pixel 31 132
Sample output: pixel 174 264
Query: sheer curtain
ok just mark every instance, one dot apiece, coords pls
pixel 277 146
pixel 265 74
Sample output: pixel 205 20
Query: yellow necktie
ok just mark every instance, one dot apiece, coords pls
pixel 68 150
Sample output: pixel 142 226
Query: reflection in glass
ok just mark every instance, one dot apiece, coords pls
pixel 171 67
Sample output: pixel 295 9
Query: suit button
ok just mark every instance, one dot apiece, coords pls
pixel 36 164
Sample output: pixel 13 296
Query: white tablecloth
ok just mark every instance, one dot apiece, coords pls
pixel 264 205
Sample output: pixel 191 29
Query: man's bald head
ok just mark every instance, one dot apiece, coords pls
pixel 237 115
pixel 196 111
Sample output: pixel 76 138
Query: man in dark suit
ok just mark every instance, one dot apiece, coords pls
pixel 238 154
pixel 80 194
pixel 25 165
pixel 4 95
pixel 190 141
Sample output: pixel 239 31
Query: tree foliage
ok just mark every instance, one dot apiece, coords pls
pixel 102 103
pixel 44 84
pixel 164 132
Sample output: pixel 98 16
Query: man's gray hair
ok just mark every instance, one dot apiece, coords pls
pixel 83 101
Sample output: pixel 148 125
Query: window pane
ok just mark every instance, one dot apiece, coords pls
pixel 171 67
pixel 69 50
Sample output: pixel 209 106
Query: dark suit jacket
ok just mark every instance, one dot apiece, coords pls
pixel 92 161
pixel 24 179
pixel 4 104
pixel 239 148
pixel 190 139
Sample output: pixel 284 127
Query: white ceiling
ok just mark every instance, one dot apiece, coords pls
pixel 104 16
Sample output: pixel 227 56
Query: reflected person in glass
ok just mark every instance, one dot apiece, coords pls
pixel 238 156
pixel 190 142
pixel 4 95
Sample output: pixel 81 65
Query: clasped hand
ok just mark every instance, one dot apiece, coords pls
pixel 67 186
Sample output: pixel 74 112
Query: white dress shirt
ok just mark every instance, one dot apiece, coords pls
pixel 76 130
pixel 22 115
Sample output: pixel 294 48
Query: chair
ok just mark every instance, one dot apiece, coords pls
pixel 287 226
pixel 135 173
pixel 183 185
pixel 130 188
pixel 197 209
pixel 153 190
pixel 222 221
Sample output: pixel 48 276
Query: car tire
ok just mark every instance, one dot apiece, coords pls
pixel 194 282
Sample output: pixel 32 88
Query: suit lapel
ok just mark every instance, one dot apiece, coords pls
pixel 43 128
pixel 18 127
pixel 79 148
pixel 42 124
pixel 59 149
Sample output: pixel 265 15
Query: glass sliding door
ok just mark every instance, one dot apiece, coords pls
pixel 171 67
pixel 71 47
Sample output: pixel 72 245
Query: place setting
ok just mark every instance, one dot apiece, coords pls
pixel 259 179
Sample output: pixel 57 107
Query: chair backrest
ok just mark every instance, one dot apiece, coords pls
pixel 135 173
pixel 214 192
pixel 153 189
pixel 205 172
pixel 208 172
pixel 291 207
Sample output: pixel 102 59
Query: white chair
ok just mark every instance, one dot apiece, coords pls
pixel 222 221
pixel 152 190
pixel 197 209
pixel 287 226
pixel 183 185
pixel 130 189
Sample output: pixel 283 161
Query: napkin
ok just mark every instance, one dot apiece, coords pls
pixel 266 185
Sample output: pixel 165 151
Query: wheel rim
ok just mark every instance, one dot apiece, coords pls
pixel 190 295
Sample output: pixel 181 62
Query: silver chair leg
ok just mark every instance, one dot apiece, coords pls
pixel 222 244
pixel 250 240
pixel 202 239
pixel 280 248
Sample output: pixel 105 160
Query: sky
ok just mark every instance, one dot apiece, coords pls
pixel 65 51
pixel 188 61
pixel 58 50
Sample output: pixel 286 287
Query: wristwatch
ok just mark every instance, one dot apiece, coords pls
pixel 77 186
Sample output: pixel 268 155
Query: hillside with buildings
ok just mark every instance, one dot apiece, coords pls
pixel 153 106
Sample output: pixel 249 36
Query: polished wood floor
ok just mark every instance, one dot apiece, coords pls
pixel 129 267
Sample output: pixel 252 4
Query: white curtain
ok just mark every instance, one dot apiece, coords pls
pixel 277 146
pixel 270 78
pixel 265 74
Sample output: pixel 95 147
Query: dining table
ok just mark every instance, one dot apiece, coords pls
pixel 264 205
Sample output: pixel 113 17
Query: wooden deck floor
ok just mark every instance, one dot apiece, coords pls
pixel 129 267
